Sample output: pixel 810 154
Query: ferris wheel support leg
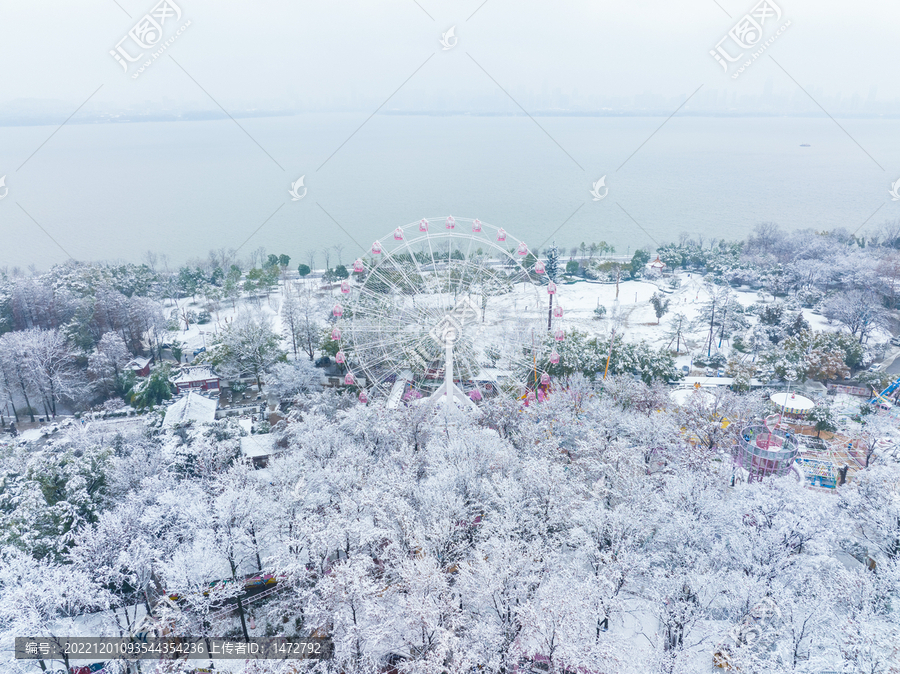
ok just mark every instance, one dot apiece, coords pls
pixel 451 392
pixel 456 394
pixel 448 376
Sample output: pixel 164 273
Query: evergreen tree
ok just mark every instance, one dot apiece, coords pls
pixel 152 390
pixel 638 261
pixel 552 265
pixel 660 305
pixel 823 418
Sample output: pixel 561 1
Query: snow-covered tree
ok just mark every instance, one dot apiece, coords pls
pixel 50 366
pixel 860 311
pixel 106 365
pixel 823 418
pixel 286 380
pixel 153 389
pixel 660 305
pixel 18 379
pixel 678 326
pixel 41 598
pixel 300 314
pixel 247 347
pixel 720 316
pixel 552 265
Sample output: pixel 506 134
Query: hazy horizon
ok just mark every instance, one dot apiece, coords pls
pixel 283 90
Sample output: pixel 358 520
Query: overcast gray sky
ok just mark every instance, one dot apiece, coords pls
pixel 112 191
pixel 281 53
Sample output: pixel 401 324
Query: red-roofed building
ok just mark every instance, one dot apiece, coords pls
pixel 140 366
pixel 196 378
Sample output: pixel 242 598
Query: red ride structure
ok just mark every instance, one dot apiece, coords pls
pixel 766 450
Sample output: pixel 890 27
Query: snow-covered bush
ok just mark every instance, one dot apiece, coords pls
pixel 810 297
pixel 113 404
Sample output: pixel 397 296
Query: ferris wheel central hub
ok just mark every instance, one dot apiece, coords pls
pixel 447 332
pixel 449 329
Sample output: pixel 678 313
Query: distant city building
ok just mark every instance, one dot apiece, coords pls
pixel 196 378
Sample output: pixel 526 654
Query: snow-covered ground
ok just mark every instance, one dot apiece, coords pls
pixel 636 319
pixel 198 336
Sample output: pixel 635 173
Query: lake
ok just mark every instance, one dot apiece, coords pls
pixel 113 191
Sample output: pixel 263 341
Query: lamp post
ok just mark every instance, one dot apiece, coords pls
pixel 612 338
pixel 786 396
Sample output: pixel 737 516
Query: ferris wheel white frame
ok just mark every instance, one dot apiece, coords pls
pixel 378 345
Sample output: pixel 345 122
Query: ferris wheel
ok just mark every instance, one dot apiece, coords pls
pixel 448 310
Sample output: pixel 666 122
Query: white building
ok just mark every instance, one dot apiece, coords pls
pixel 192 407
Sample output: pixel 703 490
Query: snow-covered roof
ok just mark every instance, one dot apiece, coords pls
pixel 707 381
pixel 492 374
pixel 712 381
pixel 192 407
pixel 195 373
pixel 138 363
pixel 258 445
pixel 682 395
pixel 792 402
pixel 813 387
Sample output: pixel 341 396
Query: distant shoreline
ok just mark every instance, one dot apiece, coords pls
pixel 214 115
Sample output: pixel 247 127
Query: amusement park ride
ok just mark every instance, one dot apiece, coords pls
pixel 883 398
pixel 445 313
pixel 773 449
pixel 766 449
